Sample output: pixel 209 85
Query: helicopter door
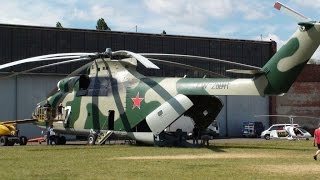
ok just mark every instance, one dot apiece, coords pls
pixel 292 131
pixel 111 120
pixel 67 116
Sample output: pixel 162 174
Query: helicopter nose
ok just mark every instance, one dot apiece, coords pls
pixel 35 113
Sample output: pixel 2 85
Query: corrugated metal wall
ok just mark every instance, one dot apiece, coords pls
pixel 238 109
pixel 18 42
pixel 20 95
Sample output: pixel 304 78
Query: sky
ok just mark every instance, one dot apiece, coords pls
pixel 234 19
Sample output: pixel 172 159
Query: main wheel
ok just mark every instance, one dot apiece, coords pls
pixel 62 140
pixel 23 140
pixel 3 141
pixel 92 139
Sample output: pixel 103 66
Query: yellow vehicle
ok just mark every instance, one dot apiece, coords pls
pixel 9 134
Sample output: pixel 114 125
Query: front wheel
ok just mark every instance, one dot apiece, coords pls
pixel 56 140
pixel 91 139
pixel 267 136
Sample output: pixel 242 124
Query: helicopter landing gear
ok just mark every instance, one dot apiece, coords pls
pixel 62 140
pixel 92 139
pixel 59 140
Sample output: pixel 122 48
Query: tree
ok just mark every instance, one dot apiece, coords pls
pixel 102 25
pixel 58 25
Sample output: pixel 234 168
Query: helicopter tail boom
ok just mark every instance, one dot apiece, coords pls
pixel 285 66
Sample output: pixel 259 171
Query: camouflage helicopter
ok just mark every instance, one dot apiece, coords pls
pixel 113 99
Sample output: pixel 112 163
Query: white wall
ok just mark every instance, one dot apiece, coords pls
pixel 19 96
pixel 238 109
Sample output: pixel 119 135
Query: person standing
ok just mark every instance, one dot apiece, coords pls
pixel 195 134
pixel 52 134
pixel 317 141
pixel 48 135
pixel 60 109
pixel 47 107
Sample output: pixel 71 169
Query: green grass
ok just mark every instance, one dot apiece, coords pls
pixel 231 159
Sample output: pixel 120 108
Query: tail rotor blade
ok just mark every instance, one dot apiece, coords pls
pixel 296 15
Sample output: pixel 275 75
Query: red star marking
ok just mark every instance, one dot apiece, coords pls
pixel 136 101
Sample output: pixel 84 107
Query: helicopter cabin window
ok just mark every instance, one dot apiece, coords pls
pixel 84 83
pixel 99 86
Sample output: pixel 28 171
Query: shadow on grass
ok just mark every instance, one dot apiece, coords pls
pixel 215 148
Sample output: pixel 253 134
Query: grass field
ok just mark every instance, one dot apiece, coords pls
pixel 224 159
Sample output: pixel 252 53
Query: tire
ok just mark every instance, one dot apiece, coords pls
pixel 10 143
pixel 56 140
pixel 267 136
pixel 91 139
pixel 23 140
pixel 62 140
pixel 3 141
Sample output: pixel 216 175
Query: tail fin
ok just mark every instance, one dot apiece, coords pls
pixel 285 66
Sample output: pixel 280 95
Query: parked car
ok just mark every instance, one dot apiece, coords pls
pixel 280 129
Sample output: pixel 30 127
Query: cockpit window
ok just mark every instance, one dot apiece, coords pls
pixel 84 82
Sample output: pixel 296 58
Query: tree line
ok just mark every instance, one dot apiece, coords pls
pixel 101 25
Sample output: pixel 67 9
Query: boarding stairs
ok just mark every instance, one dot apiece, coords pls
pixel 103 136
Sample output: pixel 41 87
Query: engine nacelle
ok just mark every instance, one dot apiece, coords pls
pixel 167 113
pixel 67 84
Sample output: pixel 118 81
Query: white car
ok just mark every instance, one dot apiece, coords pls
pixel 279 129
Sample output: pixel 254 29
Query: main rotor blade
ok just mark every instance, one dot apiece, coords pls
pixel 141 59
pixel 186 67
pixel 296 15
pixel 197 57
pixel 45 66
pixel 44 58
pixel 79 69
pixel 287 116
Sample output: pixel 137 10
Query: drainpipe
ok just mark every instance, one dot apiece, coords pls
pixel 227 134
pixel 16 97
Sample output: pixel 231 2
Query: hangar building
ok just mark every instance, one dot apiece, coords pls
pixel 19 95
